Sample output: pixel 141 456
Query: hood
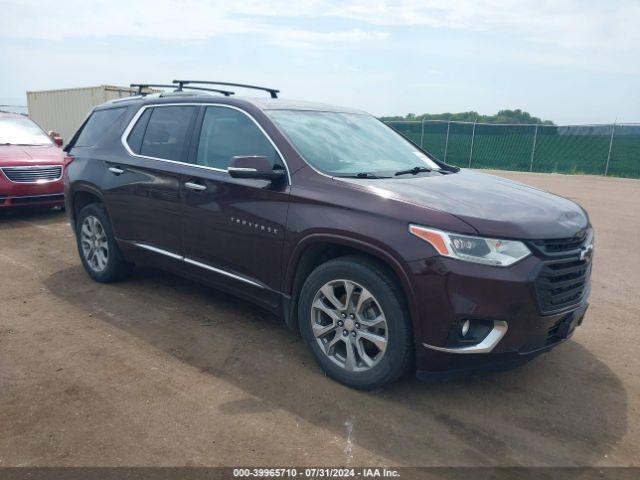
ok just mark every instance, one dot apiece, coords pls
pixel 492 205
pixel 16 155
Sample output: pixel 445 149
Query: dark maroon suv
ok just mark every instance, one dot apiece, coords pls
pixel 383 257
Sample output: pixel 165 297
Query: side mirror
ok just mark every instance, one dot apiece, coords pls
pixel 57 139
pixel 256 167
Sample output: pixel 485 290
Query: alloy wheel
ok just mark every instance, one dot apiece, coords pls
pixel 349 325
pixel 95 246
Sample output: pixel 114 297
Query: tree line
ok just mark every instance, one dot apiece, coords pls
pixel 516 116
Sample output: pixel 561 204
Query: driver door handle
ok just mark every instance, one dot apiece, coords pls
pixel 195 186
pixel 116 170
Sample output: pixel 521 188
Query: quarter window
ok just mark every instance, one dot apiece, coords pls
pixel 99 124
pixel 161 132
pixel 137 134
pixel 227 133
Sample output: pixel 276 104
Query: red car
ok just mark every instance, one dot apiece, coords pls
pixel 31 164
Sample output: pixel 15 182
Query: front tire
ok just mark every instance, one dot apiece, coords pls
pixel 97 246
pixel 352 316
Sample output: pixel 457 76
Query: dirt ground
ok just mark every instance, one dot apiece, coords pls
pixel 160 371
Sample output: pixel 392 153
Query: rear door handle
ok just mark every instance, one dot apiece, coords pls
pixel 195 186
pixel 116 170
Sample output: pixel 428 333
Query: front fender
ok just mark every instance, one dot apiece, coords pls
pixel 390 259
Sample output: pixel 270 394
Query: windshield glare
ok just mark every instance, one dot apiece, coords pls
pixel 345 144
pixel 21 131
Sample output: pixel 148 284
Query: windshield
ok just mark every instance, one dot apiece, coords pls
pixel 21 131
pixel 348 144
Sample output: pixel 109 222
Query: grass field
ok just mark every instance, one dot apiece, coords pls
pixel 576 149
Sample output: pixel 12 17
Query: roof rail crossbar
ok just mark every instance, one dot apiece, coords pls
pixel 176 88
pixel 226 93
pixel 142 86
pixel 182 83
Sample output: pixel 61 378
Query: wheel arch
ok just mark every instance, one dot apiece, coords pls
pixel 319 248
pixel 82 196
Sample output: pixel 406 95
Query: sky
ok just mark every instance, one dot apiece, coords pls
pixel 572 61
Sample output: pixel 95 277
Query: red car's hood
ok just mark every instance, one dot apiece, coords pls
pixel 11 155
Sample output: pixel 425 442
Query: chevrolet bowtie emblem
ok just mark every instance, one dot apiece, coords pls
pixel 586 251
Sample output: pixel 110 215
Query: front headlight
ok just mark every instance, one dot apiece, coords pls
pixel 487 251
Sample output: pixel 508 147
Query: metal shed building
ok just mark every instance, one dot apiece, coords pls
pixel 64 110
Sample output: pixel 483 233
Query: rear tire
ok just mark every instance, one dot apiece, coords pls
pixel 97 246
pixel 352 316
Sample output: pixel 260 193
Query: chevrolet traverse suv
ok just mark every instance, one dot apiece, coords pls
pixel 383 257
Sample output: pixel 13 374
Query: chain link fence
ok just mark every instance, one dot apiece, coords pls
pixel 612 149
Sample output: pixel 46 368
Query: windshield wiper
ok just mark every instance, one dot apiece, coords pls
pixel 413 171
pixel 366 175
pixel 362 175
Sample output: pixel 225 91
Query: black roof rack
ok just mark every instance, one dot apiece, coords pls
pixel 142 86
pixel 182 83
pixel 226 93
pixel 177 88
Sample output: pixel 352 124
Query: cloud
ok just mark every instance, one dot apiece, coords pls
pixel 571 24
pixel 570 60
pixel 169 20
pixel 591 34
pixel 310 39
pixel 568 24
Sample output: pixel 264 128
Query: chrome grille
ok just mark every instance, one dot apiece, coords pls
pixel 33 173
pixel 564 277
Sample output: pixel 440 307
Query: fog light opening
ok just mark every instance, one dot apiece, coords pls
pixel 469 331
pixel 464 329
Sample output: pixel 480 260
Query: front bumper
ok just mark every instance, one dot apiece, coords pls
pixel 30 194
pixel 449 291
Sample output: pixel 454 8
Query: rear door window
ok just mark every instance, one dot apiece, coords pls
pixel 98 126
pixel 227 133
pixel 162 132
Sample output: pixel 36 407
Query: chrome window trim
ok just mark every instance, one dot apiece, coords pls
pixel 32 167
pixel 136 117
pixel 485 346
pixel 190 261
